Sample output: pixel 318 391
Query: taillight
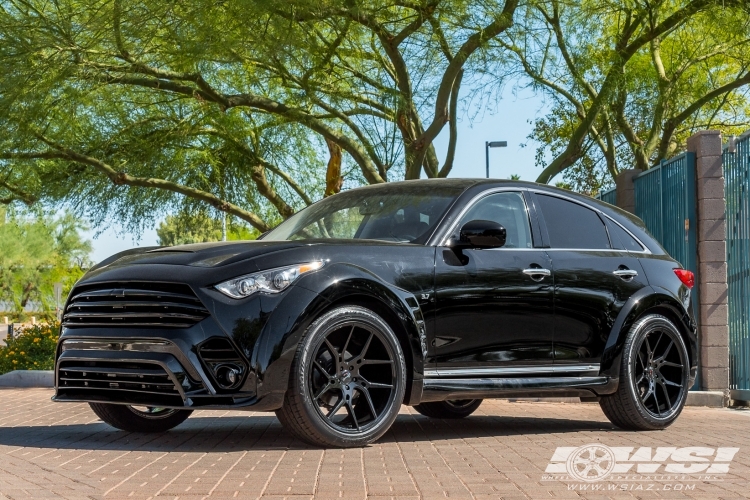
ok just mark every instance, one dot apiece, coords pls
pixel 687 277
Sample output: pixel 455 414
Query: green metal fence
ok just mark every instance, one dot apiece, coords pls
pixel 665 201
pixel 736 159
pixel 609 196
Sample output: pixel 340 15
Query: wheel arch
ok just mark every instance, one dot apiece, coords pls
pixel 378 306
pixel 341 285
pixel 649 300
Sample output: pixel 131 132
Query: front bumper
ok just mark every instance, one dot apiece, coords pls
pixel 145 367
pixel 165 367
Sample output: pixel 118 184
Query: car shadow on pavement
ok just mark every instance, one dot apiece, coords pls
pixel 233 433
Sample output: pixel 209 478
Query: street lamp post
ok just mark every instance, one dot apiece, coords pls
pixel 487 146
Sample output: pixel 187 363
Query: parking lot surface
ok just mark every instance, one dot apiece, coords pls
pixel 505 450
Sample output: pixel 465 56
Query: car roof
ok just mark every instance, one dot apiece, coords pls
pixel 623 217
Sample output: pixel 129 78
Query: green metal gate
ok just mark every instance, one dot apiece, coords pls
pixel 665 201
pixel 736 160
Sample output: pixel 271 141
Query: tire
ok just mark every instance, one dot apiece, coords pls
pixel 140 419
pixel 459 408
pixel 348 380
pixel 654 377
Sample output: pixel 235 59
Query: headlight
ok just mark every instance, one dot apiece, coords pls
pixel 271 281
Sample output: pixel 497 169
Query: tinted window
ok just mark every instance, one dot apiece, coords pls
pixel 507 209
pixel 619 235
pixel 405 214
pixel 571 225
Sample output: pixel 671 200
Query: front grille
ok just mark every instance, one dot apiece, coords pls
pixel 134 304
pixel 130 381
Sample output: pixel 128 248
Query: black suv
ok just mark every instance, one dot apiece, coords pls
pixel 430 293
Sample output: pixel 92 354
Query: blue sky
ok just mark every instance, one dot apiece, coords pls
pixel 509 123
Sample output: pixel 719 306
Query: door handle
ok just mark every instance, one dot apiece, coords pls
pixel 626 274
pixel 537 273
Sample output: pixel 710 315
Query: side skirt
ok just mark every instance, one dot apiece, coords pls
pixel 441 389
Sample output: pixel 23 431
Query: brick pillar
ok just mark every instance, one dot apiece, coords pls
pixel 626 189
pixel 713 317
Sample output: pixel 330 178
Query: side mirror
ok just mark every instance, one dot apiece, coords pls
pixel 482 234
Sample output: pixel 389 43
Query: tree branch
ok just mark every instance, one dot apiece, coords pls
pixel 452 127
pixel 503 21
pixel 121 178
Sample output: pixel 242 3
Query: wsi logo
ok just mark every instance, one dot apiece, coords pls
pixel 596 462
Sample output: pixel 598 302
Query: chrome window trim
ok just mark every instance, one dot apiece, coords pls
pixel 512 370
pixel 637 240
pixel 445 237
pixel 646 250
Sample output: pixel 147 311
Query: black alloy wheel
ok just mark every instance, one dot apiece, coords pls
pixel 140 418
pixel 654 377
pixel 350 379
pixel 153 412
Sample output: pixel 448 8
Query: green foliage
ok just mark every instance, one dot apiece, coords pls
pixel 628 82
pixel 32 349
pixel 199 227
pixel 130 110
pixel 35 253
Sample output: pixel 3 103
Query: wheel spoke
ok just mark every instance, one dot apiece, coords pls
pixel 373 385
pixel 366 346
pixel 366 394
pixel 377 362
pixel 333 350
pixel 649 352
pixel 320 367
pixel 658 341
pixel 669 363
pixel 346 344
pixel 656 400
pixel 350 409
pixel 646 396
pixel 640 379
pixel 640 358
pixel 666 394
pixel 335 408
pixel 325 389
pixel 669 382
pixel 666 351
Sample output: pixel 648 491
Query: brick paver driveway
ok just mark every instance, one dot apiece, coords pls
pixel 50 450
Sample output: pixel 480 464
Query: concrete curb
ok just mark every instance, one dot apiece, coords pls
pixel 714 399
pixel 28 378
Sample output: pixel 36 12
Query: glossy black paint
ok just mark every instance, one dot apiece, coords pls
pixel 450 307
pixel 482 234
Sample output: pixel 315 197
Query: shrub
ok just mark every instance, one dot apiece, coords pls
pixel 31 349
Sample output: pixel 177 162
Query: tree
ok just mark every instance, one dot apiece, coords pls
pixel 629 81
pixel 230 104
pixel 37 251
pixel 199 227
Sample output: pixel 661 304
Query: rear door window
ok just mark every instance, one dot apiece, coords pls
pixel 570 225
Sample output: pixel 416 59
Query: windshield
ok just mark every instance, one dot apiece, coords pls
pixel 404 214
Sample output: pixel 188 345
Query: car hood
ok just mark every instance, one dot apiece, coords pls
pixel 217 254
pixel 199 254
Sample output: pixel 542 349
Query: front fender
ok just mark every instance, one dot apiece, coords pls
pixel 314 294
pixel 642 301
